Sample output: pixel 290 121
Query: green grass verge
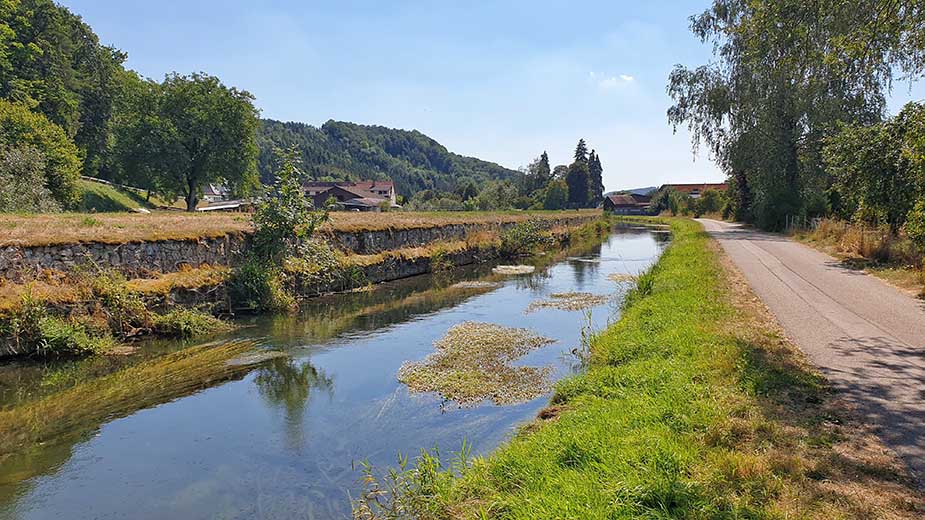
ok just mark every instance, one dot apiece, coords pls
pixel 685 412
pixel 103 198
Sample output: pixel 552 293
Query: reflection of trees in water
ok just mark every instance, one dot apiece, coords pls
pixel 288 385
pixel 582 268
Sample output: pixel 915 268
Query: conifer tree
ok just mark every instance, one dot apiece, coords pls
pixel 581 152
pixel 595 179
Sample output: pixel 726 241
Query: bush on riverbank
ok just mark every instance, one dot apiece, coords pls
pixel 692 408
pixel 90 314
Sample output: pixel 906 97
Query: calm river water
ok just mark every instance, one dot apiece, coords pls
pixel 278 439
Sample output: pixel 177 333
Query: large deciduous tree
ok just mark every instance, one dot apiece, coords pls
pixel 788 72
pixel 205 132
pixel 577 181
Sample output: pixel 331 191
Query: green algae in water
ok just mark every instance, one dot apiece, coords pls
pixel 472 364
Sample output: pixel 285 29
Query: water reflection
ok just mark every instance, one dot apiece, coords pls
pixel 288 385
pixel 277 439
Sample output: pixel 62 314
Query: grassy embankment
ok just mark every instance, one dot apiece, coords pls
pixel 693 407
pixel 876 250
pixel 117 228
pixel 29 311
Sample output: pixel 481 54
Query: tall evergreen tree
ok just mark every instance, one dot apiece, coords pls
pixel 544 172
pixel 581 152
pixel 595 179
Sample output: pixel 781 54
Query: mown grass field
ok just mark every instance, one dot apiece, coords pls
pixel 116 228
pixel 694 406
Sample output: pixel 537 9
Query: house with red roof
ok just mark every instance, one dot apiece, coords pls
pixel 362 195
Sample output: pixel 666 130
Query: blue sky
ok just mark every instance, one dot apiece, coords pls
pixel 501 80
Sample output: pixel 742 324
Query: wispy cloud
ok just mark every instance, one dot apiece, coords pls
pixel 610 82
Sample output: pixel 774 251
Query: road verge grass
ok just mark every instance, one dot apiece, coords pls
pixel 694 406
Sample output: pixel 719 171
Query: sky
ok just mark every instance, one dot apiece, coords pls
pixel 498 80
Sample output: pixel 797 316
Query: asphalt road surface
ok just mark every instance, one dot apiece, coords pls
pixel 866 337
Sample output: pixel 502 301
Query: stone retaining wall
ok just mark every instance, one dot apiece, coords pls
pixel 139 259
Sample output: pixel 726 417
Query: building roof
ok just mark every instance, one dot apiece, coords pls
pixel 625 200
pixel 373 185
pixel 702 187
pixel 363 185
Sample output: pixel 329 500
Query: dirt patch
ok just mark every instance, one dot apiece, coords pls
pixel 473 363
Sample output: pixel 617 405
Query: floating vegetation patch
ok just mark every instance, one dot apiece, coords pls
pixel 622 277
pixel 476 284
pixel 569 301
pixel 472 363
pixel 513 269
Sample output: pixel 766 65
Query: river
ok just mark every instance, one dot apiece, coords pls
pixel 256 436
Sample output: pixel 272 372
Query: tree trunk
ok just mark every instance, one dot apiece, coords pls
pixel 192 198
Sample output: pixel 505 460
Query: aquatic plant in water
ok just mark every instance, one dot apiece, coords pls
pixel 476 284
pixel 513 269
pixel 621 277
pixel 472 363
pixel 569 301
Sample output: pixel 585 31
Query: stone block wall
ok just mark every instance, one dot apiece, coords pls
pixel 140 259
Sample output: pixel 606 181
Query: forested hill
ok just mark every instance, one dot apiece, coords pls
pixel 348 151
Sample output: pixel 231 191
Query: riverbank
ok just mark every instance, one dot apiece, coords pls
pixel 61 306
pixel 694 406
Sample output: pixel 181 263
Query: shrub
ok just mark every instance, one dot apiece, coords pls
pixel 915 225
pixel 186 323
pixel 22 182
pixel 259 286
pixel 32 328
pixel 523 238
pixel 21 127
pixel 125 307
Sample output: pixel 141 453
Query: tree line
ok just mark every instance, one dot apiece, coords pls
pixel 538 186
pixel 68 107
pixel 793 108
pixel 347 151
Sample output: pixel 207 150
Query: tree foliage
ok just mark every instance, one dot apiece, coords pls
pixel 878 173
pixel 348 151
pixel 788 72
pixel 52 62
pixel 21 128
pixel 22 182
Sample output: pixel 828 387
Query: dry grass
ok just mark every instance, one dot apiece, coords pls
pixel 57 290
pixel 570 301
pixel 472 363
pixel 876 250
pixel 186 278
pixel 117 228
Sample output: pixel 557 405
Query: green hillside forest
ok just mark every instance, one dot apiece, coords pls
pixel 348 151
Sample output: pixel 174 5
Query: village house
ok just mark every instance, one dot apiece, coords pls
pixel 628 204
pixel 363 195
